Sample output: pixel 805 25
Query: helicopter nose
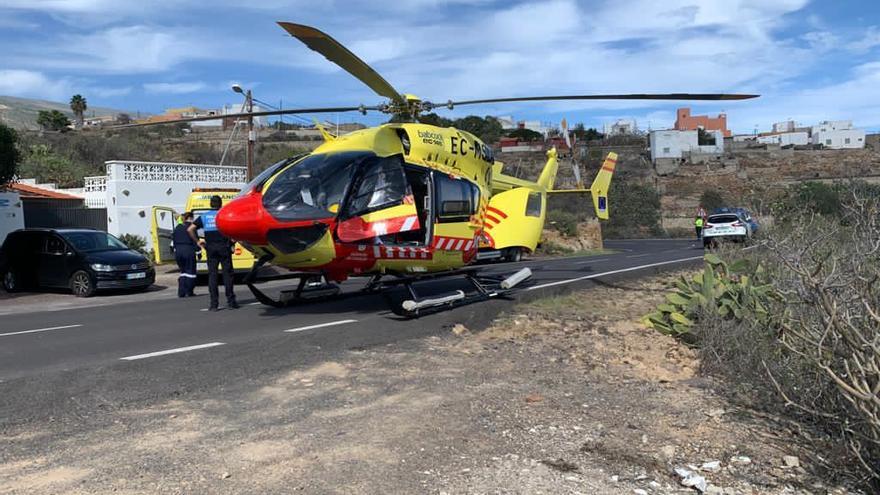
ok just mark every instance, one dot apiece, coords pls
pixel 242 219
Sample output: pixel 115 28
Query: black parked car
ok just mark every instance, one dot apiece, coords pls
pixel 82 260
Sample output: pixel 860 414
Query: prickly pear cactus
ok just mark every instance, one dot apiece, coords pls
pixel 729 290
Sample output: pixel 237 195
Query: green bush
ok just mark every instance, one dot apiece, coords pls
pixel 634 211
pixel 711 199
pixel 9 154
pixel 135 242
pixel 564 222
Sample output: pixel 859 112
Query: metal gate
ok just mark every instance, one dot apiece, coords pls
pixel 38 216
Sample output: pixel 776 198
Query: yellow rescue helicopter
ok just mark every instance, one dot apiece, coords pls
pixel 399 203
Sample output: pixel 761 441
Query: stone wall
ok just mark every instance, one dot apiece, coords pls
pixel 589 237
pixel 752 178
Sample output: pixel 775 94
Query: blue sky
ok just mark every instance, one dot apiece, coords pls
pixel 810 61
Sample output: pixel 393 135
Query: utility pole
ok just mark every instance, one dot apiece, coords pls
pixel 252 137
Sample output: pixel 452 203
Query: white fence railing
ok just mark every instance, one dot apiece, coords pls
pixel 174 172
pixel 95 184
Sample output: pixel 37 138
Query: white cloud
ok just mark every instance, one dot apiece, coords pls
pixel 16 82
pixel 869 40
pixel 175 88
pixel 133 49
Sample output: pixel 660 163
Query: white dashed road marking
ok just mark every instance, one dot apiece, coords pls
pixel 612 272
pixel 172 351
pixel 39 330
pixel 638 255
pixel 320 325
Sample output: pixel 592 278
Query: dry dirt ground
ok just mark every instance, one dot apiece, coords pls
pixel 561 395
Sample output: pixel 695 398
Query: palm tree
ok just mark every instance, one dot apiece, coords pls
pixel 79 106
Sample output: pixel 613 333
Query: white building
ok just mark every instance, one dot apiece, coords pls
pixel 131 189
pixel 226 110
pixel 675 144
pixel 787 126
pixel 621 127
pixel 799 138
pixel 838 134
pixel 11 214
pixel 507 122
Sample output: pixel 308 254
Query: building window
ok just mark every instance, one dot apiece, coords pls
pixel 846 141
pixel 828 142
pixel 665 150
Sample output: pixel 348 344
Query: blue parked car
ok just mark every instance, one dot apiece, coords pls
pixel 742 213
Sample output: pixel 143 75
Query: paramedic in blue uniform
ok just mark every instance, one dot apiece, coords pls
pixel 219 251
pixel 185 249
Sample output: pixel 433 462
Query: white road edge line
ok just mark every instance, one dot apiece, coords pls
pixel 172 351
pixel 320 325
pixel 39 330
pixel 612 272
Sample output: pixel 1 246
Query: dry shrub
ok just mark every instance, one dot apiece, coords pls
pixel 820 354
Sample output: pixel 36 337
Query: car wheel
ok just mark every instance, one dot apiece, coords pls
pixel 81 284
pixel 10 281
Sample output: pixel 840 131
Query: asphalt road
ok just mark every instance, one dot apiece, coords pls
pixel 69 361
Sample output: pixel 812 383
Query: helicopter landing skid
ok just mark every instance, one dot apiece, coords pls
pixel 311 286
pixel 483 287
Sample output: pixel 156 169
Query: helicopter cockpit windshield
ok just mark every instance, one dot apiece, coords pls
pixel 314 187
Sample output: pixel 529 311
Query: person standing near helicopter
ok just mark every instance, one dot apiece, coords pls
pixel 219 251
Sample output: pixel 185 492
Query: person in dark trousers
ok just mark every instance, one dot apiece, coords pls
pixel 698 226
pixel 185 249
pixel 219 251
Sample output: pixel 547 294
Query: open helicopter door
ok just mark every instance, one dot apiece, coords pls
pixel 164 220
pixel 381 203
pixel 457 203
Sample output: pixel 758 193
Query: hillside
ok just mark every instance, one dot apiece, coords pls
pixel 21 113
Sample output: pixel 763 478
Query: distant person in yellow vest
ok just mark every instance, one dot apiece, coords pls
pixel 698 226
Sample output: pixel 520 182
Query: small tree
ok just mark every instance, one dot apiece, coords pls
pixel 434 119
pixel 584 134
pixel 712 199
pixel 704 138
pixel 52 120
pixel 123 118
pixel 526 135
pixel 79 106
pixel 9 154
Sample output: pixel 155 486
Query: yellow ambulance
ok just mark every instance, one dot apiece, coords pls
pixel 164 220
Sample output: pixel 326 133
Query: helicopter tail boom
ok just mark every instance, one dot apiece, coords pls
pixel 548 174
pixel 601 184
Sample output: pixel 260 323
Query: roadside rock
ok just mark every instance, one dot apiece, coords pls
pixel 791 461
pixel 460 330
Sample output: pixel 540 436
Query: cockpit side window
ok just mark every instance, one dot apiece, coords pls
pixel 313 188
pixel 382 184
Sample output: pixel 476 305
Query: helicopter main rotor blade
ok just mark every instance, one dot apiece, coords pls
pixel 635 96
pixel 267 113
pixel 335 52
